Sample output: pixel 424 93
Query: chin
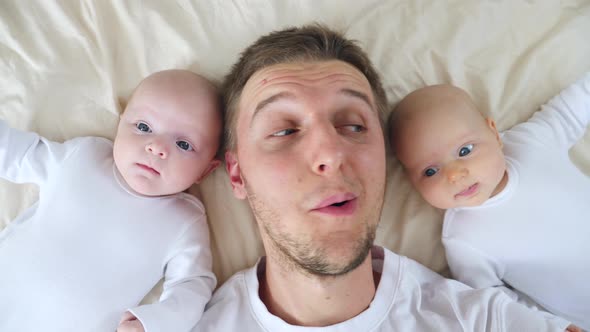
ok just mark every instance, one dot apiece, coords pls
pixel 444 206
pixel 345 253
pixel 340 246
pixel 143 189
pixel 347 261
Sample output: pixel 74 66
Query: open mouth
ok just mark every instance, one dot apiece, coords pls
pixel 340 203
pixel 338 206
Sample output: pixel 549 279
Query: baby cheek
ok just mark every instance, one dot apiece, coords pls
pixel 427 191
pixel 499 167
pixel 437 195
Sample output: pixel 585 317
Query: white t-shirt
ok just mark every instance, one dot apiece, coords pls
pixel 409 297
pixel 91 248
pixel 535 234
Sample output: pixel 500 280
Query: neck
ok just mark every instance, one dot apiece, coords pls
pixel 309 300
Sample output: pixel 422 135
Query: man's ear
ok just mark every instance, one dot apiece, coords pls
pixel 232 167
pixel 492 124
pixel 210 168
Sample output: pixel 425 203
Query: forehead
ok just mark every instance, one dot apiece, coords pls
pixel 422 137
pixel 301 78
pixel 308 72
pixel 437 114
pixel 173 98
pixel 175 113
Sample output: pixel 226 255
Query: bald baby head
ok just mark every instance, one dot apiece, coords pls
pixel 193 90
pixel 429 105
pixel 171 127
pixel 446 146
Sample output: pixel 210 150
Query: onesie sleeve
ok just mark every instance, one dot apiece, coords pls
pixel 563 120
pixel 188 284
pixel 470 266
pixel 26 157
pixel 473 268
pixel 532 305
pixel 515 316
pixel 486 309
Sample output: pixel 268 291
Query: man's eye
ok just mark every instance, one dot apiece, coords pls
pixel 184 145
pixel 430 171
pixel 355 128
pixel 143 127
pixel 284 132
pixel 465 150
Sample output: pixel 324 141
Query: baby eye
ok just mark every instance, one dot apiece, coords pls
pixel 184 145
pixel 284 132
pixel 465 150
pixel 430 171
pixel 143 127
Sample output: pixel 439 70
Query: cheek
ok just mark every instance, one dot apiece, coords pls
pixel 495 166
pixel 374 161
pixel 128 142
pixel 121 149
pixel 187 169
pixel 370 159
pixel 433 192
pixel 500 167
pixel 429 190
pixel 279 168
pixel 277 181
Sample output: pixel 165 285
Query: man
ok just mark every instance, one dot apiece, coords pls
pixel 305 146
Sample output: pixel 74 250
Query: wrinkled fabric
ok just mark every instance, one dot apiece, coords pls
pixel 67 69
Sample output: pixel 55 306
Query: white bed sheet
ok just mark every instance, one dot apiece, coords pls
pixel 68 67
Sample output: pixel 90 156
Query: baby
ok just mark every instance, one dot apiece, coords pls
pixel 112 218
pixel 517 208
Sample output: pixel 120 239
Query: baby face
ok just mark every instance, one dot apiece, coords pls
pixel 168 135
pixel 451 154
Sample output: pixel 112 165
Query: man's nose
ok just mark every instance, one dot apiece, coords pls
pixel 456 172
pixel 157 148
pixel 326 151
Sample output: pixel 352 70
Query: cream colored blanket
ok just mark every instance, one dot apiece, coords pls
pixel 68 67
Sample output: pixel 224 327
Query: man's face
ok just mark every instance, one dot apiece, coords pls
pixel 310 158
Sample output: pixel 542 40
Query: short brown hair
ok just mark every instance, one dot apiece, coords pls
pixel 307 43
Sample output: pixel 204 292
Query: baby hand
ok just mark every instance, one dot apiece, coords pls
pixel 573 328
pixel 130 323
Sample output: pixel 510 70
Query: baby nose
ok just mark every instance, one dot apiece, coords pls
pixel 457 173
pixel 157 150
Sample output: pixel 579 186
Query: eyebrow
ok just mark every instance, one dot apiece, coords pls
pixel 274 98
pixel 288 95
pixel 362 96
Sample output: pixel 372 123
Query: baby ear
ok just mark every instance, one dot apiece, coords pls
pixel 492 125
pixel 210 168
pixel 232 166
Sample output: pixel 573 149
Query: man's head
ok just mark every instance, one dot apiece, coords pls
pixel 312 43
pixel 306 147
pixel 169 133
pixel 450 152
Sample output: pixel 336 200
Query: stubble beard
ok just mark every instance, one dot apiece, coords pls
pixel 300 253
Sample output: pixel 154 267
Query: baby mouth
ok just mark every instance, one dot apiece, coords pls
pixel 469 191
pixel 148 168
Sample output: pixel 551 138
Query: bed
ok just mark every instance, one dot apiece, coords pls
pixel 67 69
